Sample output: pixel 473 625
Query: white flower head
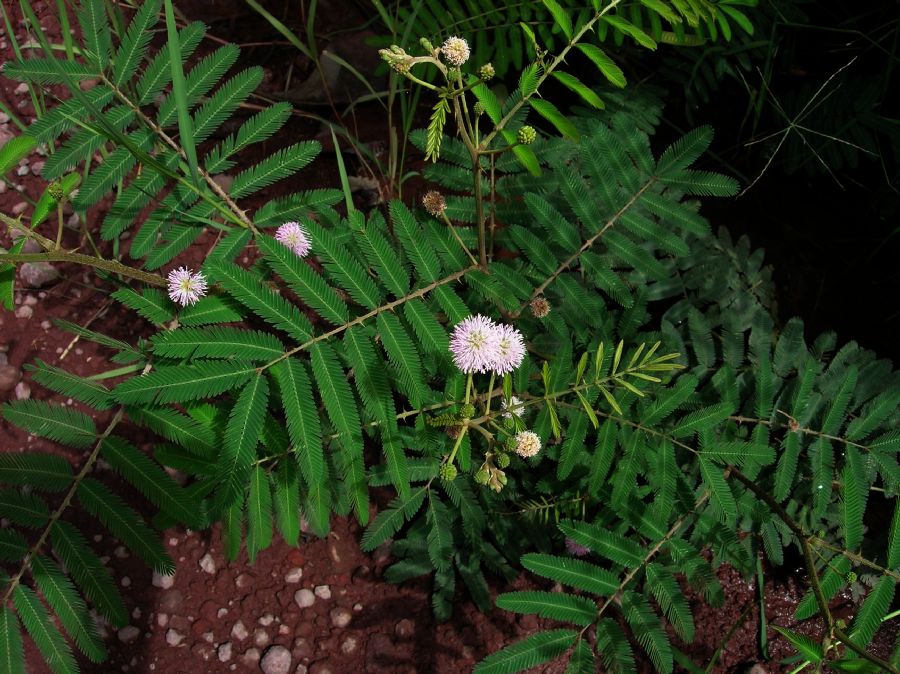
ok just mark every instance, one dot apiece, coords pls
pixel 511 349
pixel 186 287
pixel 527 444
pixel 475 345
pixel 294 236
pixel 455 50
pixel 512 407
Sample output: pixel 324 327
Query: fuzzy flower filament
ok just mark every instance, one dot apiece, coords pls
pixel 455 50
pixel 528 444
pixel 475 344
pixel 186 287
pixel 512 407
pixel 294 236
pixel 511 349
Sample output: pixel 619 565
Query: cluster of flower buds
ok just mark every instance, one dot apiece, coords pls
pixel 491 476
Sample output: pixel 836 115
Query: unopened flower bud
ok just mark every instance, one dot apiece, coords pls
pixel 486 72
pixel 448 472
pixel 434 203
pixel 540 307
pixel 426 44
pixel 502 460
pixel 510 444
pixel 851 577
pixel 526 135
pixel 482 476
pixel 479 108
pixel 467 411
pixel 55 190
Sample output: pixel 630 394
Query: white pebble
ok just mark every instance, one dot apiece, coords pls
pixel 174 638
pixel 304 598
pixel 294 575
pixel 207 563
pixel 323 592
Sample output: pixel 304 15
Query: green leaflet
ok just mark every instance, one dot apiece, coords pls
pixel 52 473
pixel 341 408
pixel 302 419
pixel 286 499
pixel 240 440
pixel 529 652
pixel 554 605
pixel 259 513
pixel 49 641
pixel 12 653
pixel 576 573
pixel 68 606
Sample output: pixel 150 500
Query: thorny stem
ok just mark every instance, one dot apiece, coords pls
pixel 805 431
pixel 39 544
pixel 168 140
pixel 362 319
pixel 587 244
pixel 853 557
pixel 809 562
pixel 547 70
pixel 112 266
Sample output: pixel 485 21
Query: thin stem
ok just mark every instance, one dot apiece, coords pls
pixel 490 395
pixel 362 319
pixel 59 224
pixel 458 238
pixel 112 266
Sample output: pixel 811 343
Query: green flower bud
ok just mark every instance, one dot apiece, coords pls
pixel 482 476
pixel 510 444
pixel 479 108
pixel 448 472
pixel 426 44
pixel 526 135
pixel 509 423
pixel 502 460
pixel 851 577
pixel 55 190
pixel 467 411
pixel 486 72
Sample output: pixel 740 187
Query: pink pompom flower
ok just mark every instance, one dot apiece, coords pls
pixel 511 349
pixel 186 287
pixel 474 344
pixel 294 236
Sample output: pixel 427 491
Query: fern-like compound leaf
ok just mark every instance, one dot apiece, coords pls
pixel 240 439
pixel 388 521
pixel 29 509
pixel 12 651
pixel 303 280
pixel 217 342
pixel 135 43
pixel 13 545
pixel 198 82
pixel 576 573
pixel 341 408
pixel 55 422
pixel 188 382
pixel 302 419
pixel 527 653
pixel 403 355
pixel 92 576
pixel 440 534
pixel 125 524
pixel 177 427
pixel 46 471
pixel 872 612
pixel 415 244
pixel 65 383
pixel 665 589
pixel 280 165
pixel 50 642
pixel 259 513
pixel 618 549
pixel 151 480
pixel 286 500
pixel 343 266
pixel 222 104
pixel 68 605
pixel 647 630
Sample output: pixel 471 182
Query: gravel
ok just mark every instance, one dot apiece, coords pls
pixel 277 660
pixel 304 598
pixel 208 564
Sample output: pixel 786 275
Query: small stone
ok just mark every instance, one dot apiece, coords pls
pixel 221 612
pixel 382 553
pixel 9 377
pixel 46 325
pixel 340 617
pixel 22 170
pixel 38 274
pixel 20 208
pixel 126 581
pixel 173 637
pixel 225 652
pixel 162 619
pixel 405 628
pixel 208 564
pixel 164 581
pixel 129 634
pixel 349 645
pixel 30 300
pixel 239 631
pixel 357 607
pixel 301 669
pixel 21 90
pixel 250 656
pixel 136 613
pixel 266 620
pixel 304 598
pixel 72 221
pixel 22 391
pixel 294 575
pixel 24 311
pixel 261 638
pixel 303 648
pixel 36 167
pixel 243 580
pixel 284 629
pixel 277 660
pixel 170 600
pixel 323 591
pixel 207 637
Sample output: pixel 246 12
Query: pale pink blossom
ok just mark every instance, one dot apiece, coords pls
pixel 186 287
pixel 474 344
pixel 294 236
pixel 511 349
